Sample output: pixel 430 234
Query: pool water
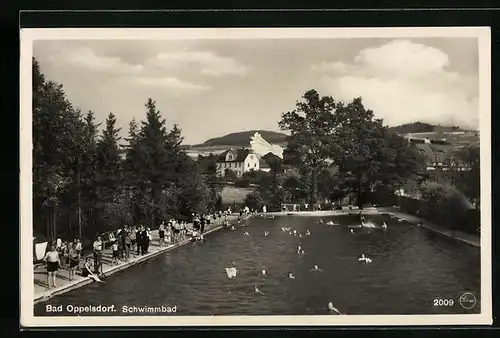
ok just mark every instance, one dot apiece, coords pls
pixel 410 267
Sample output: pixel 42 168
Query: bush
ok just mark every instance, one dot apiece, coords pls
pixel 229 175
pixel 444 193
pixel 445 205
pixel 242 182
pixel 384 196
pixel 254 200
pixel 433 191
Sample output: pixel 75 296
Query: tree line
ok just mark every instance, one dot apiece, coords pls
pixel 87 181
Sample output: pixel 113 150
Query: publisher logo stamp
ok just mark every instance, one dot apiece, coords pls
pixel 468 300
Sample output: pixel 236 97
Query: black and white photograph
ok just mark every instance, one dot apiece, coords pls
pixel 321 176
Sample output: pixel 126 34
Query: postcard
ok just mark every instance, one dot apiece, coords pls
pixel 255 177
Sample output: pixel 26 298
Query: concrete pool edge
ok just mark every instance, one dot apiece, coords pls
pixel 371 211
pixel 443 232
pixel 82 281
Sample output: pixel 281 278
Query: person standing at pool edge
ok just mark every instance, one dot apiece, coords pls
pixel 202 224
pixel 79 249
pixel 97 246
pixel 121 244
pixel 74 260
pixel 147 240
pixel 133 239
pixel 53 264
pixel 161 234
pixel 128 244
pixel 115 249
pixel 139 239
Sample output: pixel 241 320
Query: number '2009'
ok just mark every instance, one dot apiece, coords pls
pixel 443 302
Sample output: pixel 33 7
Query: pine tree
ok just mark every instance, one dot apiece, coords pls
pixel 135 185
pixel 88 183
pixel 109 161
pixel 152 156
pixel 55 125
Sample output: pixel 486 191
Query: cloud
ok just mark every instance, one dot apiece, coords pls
pixel 118 71
pixel 207 63
pixel 165 82
pixel 87 59
pixel 403 81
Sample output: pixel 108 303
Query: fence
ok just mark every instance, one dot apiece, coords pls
pixel 289 207
pixel 467 220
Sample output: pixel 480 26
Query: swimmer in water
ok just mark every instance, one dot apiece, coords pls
pixel 266 233
pixel 231 272
pixel 384 226
pixel 233 228
pixel 320 221
pixel 246 233
pixel 263 272
pixel 365 259
pixel 257 290
pixel 300 250
pixel 352 231
pixel 291 276
pixel 316 268
pixel 333 309
pixel 308 232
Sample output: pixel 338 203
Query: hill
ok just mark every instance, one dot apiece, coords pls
pixel 436 142
pixel 243 138
pixel 421 127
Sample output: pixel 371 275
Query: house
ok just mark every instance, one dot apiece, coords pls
pixel 237 160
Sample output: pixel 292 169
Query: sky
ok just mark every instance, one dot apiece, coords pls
pixel 214 87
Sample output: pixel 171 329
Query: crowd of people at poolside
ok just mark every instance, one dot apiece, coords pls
pixel 125 243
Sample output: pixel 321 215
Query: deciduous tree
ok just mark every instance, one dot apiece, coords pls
pixel 312 143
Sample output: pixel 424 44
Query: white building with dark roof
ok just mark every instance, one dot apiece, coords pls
pixel 237 160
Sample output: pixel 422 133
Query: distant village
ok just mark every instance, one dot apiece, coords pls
pixel 438 148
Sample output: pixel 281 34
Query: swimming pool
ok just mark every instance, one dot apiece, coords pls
pixel 410 268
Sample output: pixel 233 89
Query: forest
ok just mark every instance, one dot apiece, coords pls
pixel 86 179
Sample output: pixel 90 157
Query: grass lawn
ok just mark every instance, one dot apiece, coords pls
pixel 232 194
